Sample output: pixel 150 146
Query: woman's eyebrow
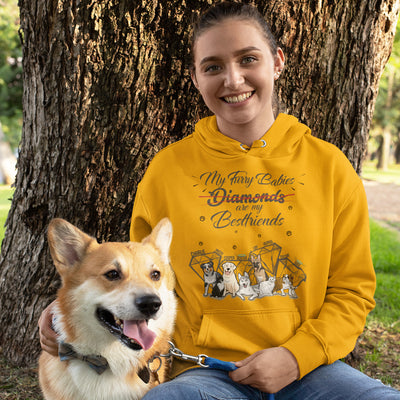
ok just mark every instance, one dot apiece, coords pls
pixel 236 53
pixel 245 50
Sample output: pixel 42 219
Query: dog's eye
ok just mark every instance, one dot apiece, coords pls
pixel 113 275
pixel 155 275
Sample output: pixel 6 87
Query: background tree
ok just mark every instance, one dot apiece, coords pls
pixel 386 122
pixel 10 72
pixel 106 86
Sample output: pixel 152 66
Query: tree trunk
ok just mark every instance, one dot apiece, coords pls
pixel 384 150
pixel 397 150
pixel 106 86
pixel 384 153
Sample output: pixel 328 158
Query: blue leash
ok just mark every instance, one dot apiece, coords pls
pixel 226 366
pixel 204 361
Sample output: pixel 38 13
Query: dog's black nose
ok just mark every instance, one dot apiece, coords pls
pixel 148 304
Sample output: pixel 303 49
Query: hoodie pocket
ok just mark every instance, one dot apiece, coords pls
pixel 247 331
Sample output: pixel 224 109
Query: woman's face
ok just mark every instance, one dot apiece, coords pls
pixel 234 71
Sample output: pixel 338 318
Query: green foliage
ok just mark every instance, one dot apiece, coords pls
pixel 6 194
pixel 387 112
pixel 10 72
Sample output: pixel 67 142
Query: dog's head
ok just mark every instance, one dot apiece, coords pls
pixel 207 267
pixel 228 268
pixel 113 290
pixel 244 280
pixel 256 261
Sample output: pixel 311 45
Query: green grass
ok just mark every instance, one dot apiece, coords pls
pixel 385 249
pixel 392 175
pixel 6 193
pixel 387 297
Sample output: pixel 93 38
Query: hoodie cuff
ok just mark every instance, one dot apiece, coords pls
pixel 308 351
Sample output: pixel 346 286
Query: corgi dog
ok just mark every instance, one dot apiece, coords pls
pixel 114 313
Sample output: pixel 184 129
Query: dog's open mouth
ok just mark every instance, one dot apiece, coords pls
pixel 134 334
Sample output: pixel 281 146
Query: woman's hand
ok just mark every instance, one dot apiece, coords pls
pixel 48 337
pixel 268 370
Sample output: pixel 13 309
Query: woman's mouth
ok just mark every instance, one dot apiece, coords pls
pixel 237 99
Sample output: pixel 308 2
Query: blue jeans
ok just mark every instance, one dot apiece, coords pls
pixel 329 382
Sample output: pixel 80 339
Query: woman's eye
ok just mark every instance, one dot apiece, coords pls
pixel 212 68
pixel 113 275
pixel 248 60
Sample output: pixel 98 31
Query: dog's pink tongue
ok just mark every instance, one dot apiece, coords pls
pixel 139 331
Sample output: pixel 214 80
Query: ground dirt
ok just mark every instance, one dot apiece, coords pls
pixel 384 206
pixel 383 202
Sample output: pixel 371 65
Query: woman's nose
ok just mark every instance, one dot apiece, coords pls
pixel 233 77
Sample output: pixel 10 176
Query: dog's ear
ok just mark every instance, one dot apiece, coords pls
pixel 161 238
pixel 67 243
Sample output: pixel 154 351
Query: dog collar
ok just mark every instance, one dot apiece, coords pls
pixel 97 363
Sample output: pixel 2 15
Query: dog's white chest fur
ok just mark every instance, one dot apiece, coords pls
pixel 105 386
pixel 80 382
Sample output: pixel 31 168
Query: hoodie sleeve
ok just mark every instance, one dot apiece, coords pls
pixel 140 225
pixel 349 296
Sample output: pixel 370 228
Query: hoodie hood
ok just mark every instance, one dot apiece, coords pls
pixel 280 140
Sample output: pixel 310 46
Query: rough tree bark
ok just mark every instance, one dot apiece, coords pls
pixel 106 86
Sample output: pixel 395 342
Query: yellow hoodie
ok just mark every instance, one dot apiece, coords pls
pixel 270 245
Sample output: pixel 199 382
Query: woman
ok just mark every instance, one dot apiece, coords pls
pixel 271 238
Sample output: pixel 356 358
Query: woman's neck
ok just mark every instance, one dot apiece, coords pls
pixel 246 133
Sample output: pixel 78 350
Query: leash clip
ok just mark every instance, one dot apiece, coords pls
pixel 175 352
pixel 203 361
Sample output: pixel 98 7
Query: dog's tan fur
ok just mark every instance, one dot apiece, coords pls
pixel 84 267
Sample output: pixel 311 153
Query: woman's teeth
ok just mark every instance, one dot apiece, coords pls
pixel 237 99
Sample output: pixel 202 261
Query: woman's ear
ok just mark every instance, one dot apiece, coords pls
pixel 279 60
pixel 193 76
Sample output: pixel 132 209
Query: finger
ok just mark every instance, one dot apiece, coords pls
pixel 47 335
pixel 46 330
pixel 243 379
pixel 247 360
pixel 241 374
pixel 50 349
pixel 48 340
pixel 50 346
pixel 254 381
